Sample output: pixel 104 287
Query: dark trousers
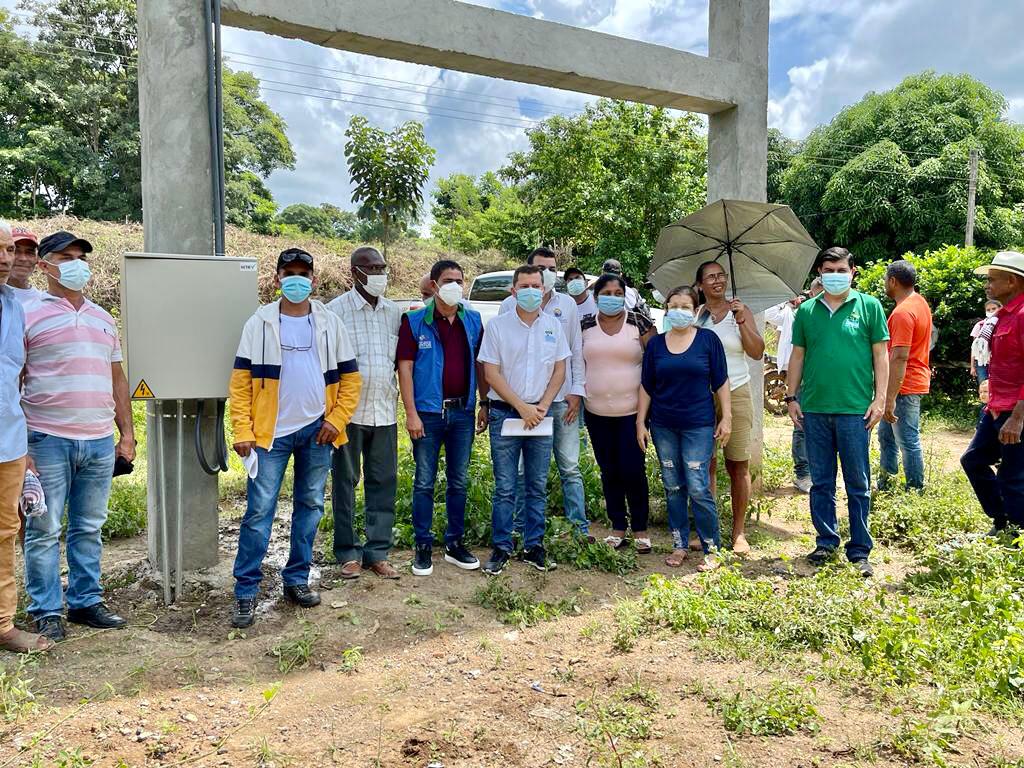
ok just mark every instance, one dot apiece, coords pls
pixel 623 471
pixel 376 448
pixel 1000 492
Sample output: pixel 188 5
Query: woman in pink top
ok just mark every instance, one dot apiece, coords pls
pixel 613 350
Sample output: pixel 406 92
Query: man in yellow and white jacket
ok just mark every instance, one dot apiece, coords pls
pixel 294 388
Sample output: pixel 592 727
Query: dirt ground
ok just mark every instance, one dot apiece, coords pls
pixel 437 681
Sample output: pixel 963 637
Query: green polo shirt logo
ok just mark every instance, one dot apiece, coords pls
pixel 839 375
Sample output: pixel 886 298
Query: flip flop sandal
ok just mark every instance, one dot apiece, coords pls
pixel 615 542
pixel 711 563
pixel 643 546
pixel 675 560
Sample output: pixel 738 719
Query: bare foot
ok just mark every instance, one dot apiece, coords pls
pixel 676 558
pixel 740 546
pixel 695 545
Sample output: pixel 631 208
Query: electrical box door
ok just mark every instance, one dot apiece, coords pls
pixel 182 318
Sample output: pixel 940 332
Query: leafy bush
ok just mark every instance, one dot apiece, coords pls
pixel 518 607
pixel 127 508
pixel 946 509
pixel 783 709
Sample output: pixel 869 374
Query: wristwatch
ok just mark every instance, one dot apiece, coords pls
pixel 789 399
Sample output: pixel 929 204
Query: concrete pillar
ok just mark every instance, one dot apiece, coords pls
pixel 738 137
pixel 177 217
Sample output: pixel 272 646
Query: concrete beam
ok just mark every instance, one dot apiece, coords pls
pixel 483 41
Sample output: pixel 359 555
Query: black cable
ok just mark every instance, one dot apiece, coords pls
pixel 222 443
pixel 200 453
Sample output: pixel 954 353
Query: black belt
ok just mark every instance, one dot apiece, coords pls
pixel 454 403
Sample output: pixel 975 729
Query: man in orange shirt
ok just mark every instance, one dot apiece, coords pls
pixel 910 338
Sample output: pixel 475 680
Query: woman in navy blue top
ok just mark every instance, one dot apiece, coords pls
pixel 683 369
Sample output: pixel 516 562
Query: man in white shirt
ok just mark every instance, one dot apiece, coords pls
pixel 26 256
pixel 524 353
pixel 576 285
pixel 781 316
pixel 372 323
pixel 565 410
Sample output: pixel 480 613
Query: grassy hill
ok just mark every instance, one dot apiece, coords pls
pixel 409 259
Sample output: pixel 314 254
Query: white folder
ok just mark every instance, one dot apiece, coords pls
pixel 517 428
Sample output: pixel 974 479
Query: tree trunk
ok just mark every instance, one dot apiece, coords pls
pixel 387 223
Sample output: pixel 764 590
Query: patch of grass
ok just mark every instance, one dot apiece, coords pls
pixel 948 508
pixel 17 698
pixel 72 758
pixel 295 653
pixel 518 607
pixel 351 658
pixel 615 729
pixel 781 710
pixel 127 505
pixel 265 756
pixel 565 546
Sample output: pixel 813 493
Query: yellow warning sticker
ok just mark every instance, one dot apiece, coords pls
pixel 143 392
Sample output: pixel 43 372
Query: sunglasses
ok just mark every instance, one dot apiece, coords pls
pixel 287 257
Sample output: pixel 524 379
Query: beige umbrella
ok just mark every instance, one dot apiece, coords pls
pixel 765 248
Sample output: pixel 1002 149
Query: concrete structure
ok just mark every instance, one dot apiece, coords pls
pixel 730 85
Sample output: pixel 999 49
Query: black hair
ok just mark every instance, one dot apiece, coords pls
pixel 701 298
pixel 541 250
pixel 573 271
pixel 363 249
pixel 608 277
pixel 835 253
pixel 440 267
pixel 902 272
pixel 526 269
pixel 685 290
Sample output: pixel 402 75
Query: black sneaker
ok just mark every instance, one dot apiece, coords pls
pixel 457 554
pixel 864 567
pixel 820 556
pixel 51 627
pixel 245 613
pixel 996 530
pixel 97 616
pixel 538 558
pixel 422 564
pixel 302 596
pixel 499 559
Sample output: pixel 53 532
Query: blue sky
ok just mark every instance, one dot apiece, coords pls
pixel 824 55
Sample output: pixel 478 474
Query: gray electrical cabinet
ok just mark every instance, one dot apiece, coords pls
pixel 182 318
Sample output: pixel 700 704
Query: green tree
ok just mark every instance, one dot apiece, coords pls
pixel 69 119
pixel 307 218
pixel 781 151
pixel 388 171
pixel 343 223
pixel 893 169
pixel 606 181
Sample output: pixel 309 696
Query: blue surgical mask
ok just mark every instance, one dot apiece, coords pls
pixel 529 299
pixel 836 283
pixel 576 286
pixel 610 305
pixel 296 288
pixel 73 274
pixel 679 318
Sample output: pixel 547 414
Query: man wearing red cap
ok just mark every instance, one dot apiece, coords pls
pixel 26 256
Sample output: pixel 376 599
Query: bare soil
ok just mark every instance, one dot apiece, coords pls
pixel 441 682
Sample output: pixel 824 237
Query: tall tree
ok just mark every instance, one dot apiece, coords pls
pixel 307 218
pixel 388 171
pixel 781 151
pixel 69 119
pixel 606 181
pixel 889 174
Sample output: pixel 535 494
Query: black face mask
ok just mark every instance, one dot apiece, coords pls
pixel 122 466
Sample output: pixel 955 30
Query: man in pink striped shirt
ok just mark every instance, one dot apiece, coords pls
pixel 75 390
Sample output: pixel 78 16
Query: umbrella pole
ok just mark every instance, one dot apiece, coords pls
pixel 732 272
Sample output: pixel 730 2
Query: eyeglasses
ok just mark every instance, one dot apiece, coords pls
pixel 718 277
pixel 286 348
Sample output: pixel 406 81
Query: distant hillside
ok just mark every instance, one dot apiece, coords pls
pixel 409 260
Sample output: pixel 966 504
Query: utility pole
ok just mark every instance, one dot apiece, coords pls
pixel 972 188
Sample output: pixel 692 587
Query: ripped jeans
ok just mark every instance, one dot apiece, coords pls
pixel 685 459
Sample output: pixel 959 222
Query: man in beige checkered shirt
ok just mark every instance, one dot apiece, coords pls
pixel 372 323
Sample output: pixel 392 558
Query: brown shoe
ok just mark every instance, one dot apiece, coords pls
pixel 19 641
pixel 383 569
pixel 351 570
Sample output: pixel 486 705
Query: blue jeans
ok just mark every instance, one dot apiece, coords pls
pixel 1000 492
pixel 903 437
pixel 685 459
pixel 505 455
pixel 567 459
pixel 75 474
pixel 798 448
pixel 982 372
pixel 454 430
pixel 842 435
pixel 312 462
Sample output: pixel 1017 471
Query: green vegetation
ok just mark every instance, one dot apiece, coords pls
pixel 783 709
pixel 893 168
pixel 295 653
pixel 351 658
pixel 16 691
pixel 518 607
pixel 616 729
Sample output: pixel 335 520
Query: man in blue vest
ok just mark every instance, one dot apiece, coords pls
pixel 438 378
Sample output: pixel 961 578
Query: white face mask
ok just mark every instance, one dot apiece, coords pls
pixel 450 293
pixel 549 280
pixel 376 285
pixel 990 313
pixel 658 297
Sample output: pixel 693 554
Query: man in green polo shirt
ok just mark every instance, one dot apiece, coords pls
pixel 840 366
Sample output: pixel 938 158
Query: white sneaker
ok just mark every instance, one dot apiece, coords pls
pixel 802 484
